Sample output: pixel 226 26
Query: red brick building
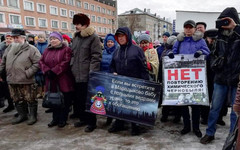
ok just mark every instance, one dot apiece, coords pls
pixel 45 16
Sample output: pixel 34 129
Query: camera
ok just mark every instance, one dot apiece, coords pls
pixel 220 23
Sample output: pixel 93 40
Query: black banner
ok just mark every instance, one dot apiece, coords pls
pixel 122 97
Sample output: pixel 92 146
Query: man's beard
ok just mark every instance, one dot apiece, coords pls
pixel 227 32
pixel 18 44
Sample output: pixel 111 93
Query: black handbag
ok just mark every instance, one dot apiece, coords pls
pixel 231 140
pixel 53 100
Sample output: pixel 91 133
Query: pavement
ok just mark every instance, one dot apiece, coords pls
pixel 163 136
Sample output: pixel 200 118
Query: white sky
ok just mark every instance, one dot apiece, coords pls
pixel 167 8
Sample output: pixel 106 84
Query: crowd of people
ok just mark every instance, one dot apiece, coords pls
pixel 32 64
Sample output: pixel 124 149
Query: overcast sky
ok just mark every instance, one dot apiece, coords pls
pixel 167 8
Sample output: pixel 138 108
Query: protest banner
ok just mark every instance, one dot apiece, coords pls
pixel 121 97
pixel 185 81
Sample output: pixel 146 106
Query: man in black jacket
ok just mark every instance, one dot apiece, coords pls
pixel 226 77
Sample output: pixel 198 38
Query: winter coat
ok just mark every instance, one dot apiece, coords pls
pixel 87 54
pixel 58 61
pixel 160 49
pixel 3 46
pixel 107 54
pixel 21 63
pixel 189 45
pixel 230 44
pixel 129 60
pixel 42 46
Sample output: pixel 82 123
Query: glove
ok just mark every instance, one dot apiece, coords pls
pixel 149 66
pixel 197 54
pixel 171 55
pixel 51 75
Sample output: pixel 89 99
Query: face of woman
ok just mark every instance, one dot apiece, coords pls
pixel 110 43
pixel 189 30
pixel 41 40
pixel 54 41
pixel 144 43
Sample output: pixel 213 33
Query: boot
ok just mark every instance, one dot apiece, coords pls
pixel 10 106
pixel 21 107
pixel 32 113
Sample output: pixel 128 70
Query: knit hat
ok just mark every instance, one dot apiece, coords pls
pixel 156 43
pixel 110 38
pixel 144 37
pixel 189 22
pixel 8 34
pixel 81 18
pixel 66 37
pixel 166 34
pixel 171 40
pixel 56 35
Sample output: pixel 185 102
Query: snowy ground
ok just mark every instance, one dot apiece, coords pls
pixel 164 136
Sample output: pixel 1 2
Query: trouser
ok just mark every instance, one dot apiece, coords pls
pixel 195 117
pixel 176 111
pixel 4 92
pixel 81 90
pixel 61 114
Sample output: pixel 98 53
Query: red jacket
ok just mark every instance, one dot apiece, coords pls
pixel 58 60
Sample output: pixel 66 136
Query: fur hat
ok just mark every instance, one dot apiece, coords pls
pixel 144 37
pixel 18 32
pixel 81 18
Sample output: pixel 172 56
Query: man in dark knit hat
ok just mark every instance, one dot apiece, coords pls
pixel 87 56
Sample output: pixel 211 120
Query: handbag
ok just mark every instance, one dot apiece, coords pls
pixel 53 100
pixel 231 140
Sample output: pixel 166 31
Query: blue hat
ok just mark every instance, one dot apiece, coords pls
pixel 166 34
pixel 110 38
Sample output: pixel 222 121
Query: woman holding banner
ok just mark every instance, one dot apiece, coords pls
pixel 190 42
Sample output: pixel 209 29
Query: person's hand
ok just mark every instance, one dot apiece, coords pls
pixel 231 24
pixel 197 54
pixel 51 75
pixel 171 55
pixel 1 79
pixel 115 74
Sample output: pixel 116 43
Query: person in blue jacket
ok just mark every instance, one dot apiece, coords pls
pixel 110 45
pixel 190 42
pixel 129 60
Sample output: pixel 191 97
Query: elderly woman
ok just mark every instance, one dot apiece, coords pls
pixel 55 64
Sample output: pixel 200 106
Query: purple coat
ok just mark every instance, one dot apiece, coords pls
pixel 58 60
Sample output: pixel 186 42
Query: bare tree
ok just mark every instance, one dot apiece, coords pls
pixel 131 21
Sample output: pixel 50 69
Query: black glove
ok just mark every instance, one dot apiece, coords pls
pixel 51 75
pixel 197 54
pixel 171 55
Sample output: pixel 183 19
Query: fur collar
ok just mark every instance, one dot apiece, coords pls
pixel 87 32
pixel 196 36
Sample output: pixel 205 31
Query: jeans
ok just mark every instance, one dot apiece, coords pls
pixel 219 95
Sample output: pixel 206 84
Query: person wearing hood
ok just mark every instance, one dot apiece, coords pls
pixel 5 94
pixel 190 42
pixel 87 55
pixel 110 45
pixel 129 60
pixel 227 75
pixel 20 63
pixel 55 65
pixel 151 56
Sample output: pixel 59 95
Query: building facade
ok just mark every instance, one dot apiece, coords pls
pixel 45 16
pixel 140 21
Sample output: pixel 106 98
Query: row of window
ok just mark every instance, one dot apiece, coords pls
pixel 41 7
pixel 42 22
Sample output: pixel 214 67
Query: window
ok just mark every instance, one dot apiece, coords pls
pixel 113 13
pixel 99 19
pixel 104 30
pixel 14 19
pixel 103 10
pixel 99 29
pixel 1 2
pixel 71 2
pixel 64 25
pixel 13 3
pixel 78 3
pixel 85 5
pixel 28 5
pixel 71 13
pixel 93 18
pixel 109 21
pixel 62 1
pixel 104 20
pixel 109 31
pixel 99 9
pixel 41 8
pixel 92 7
pixel 42 22
pixel 109 12
pixel 72 26
pixel 53 10
pixel 2 18
pixel 29 21
pixel 63 12
pixel 54 23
